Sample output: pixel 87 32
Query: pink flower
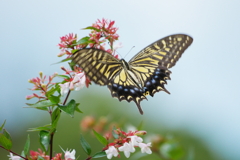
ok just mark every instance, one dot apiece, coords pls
pixel 41 84
pixel 67 40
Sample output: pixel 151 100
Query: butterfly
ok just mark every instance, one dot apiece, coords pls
pixel 144 74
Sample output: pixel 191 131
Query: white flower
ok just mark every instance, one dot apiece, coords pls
pixel 111 151
pixel 145 148
pixel 76 84
pixel 79 81
pixel 135 140
pixel 12 157
pixel 70 155
pixel 127 148
pixel 64 88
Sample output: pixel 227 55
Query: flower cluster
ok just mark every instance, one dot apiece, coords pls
pixel 68 43
pixel 42 84
pixel 101 31
pixel 35 155
pixel 126 143
pixel 74 81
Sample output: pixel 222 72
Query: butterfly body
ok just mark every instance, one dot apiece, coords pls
pixel 145 74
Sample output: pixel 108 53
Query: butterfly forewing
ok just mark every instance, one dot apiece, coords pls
pixel 164 52
pixel 98 65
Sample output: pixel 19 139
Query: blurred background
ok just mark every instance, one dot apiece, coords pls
pixel 203 110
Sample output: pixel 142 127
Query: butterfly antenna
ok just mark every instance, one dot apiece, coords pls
pixel 129 51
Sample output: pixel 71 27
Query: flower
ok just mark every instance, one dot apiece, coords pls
pixel 70 155
pixel 64 88
pixel 111 151
pixel 76 81
pixel 12 157
pixel 135 140
pixel 79 81
pixel 41 84
pixel 145 148
pixel 127 148
pixel 34 155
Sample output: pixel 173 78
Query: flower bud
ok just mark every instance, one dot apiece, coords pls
pixel 140 133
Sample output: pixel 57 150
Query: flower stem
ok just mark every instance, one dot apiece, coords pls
pixel 52 134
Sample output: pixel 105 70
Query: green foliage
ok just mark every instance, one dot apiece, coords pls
pixel 86 147
pixel 42 105
pixel 99 154
pixel 55 117
pixel 84 40
pixel 69 108
pixel 44 140
pixel 2 125
pixel 92 28
pixel 42 128
pixel 100 138
pixel 27 146
pixel 5 141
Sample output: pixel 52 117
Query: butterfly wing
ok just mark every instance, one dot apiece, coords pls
pixel 151 64
pixel 98 65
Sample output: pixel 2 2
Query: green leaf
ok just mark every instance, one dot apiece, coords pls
pixel 69 108
pixel 2 125
pixel 44 140
pixel 44 128
pixel 114 134
pixel 5 142
pixel 44 103
pixel 93 28
pixel 63 76
pixel 85 145
pixel 100 138
pixel 54 99
pixel 64 60
pixel 77 109
pixel 84 40
pixel 6 134
pixel 27 146
pixel 51 92
pixel 99 154
pixel 55 117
